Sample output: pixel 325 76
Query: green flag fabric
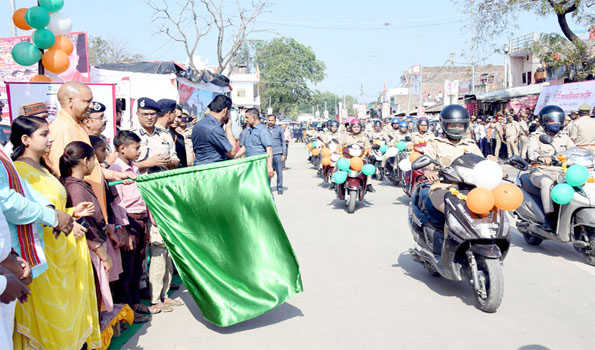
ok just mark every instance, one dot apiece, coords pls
pixel 221 228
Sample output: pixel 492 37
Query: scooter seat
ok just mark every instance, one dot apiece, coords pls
pixel 528 185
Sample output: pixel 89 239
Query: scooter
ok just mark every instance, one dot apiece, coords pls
pixel 355 187
pixel 575 221
pixel 392 170
pixel 375 158
pixel 460 245
pixel 413 177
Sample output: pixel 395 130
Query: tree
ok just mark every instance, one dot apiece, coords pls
pixel 494 17
pixel 320 100
pixel 187 22
pixel 286 70
pixel 102 51
pixel 555 51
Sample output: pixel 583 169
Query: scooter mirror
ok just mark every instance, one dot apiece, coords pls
pixel 546 139
pixel 421 162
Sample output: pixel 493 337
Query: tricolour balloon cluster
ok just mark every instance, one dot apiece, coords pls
pixel 576 176
pixel 50 32
pixel 490 192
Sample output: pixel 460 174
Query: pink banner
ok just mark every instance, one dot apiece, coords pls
pixel 10 71
pixel 518 104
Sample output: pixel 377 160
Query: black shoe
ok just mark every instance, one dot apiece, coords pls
pixel 551 220
pixel 174 286
pixel 370 188
pixel 280 192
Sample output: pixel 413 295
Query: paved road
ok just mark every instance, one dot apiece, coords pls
pixel 363 291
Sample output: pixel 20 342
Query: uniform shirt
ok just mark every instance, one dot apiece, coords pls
pixel 329 136
pixel 560 142
pixel 512 131
pixel 583 132
pixel 277 139
pixel 397 136
pixel 378 136
pixel 445 151
pixel 209 141
pixel 349 139
pixel 422 138
pixel 159 142
pixel 256 140
pixel 524 127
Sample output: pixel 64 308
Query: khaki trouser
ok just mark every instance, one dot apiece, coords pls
pixel 161 268
pixel 523 146
pixel 544 178
pixel 498 146
pixel 512 147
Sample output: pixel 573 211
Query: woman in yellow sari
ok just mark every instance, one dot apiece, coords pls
pixel 61 312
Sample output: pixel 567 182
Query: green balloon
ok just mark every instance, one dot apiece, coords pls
pixel 340 177
pixel 577 175
pixel 343 164
pixel 401 146
pixel 368 169
pixel 52 5
pixel 43 38
pixel 562 193
pixel 37 17
pixel 383 149
pixel 26 54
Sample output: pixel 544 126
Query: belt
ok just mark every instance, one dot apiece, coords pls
pixel 142 216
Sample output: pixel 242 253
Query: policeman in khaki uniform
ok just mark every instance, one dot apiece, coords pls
pixel 377 133
pixel 158 150
pixel 524 136
pixel 454 120
pixel 422 135
pixel 512 131
pixel 332 134
pixel 551 119
pixel 583 129
pixel 356 137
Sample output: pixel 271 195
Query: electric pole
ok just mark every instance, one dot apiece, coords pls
pixel 13 28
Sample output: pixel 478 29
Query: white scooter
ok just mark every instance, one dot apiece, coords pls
pixel 575 221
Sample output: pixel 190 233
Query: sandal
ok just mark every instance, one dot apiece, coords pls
pixel 162 307
pixel 172 302
pixel 144 309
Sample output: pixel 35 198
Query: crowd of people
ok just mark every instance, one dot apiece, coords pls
pixel 73 250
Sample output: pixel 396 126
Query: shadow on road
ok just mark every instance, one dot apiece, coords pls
pixel 402 200
pixel 550 248
pixel 281 313
pixel 339 204
pixel 439 285
pixel 534 347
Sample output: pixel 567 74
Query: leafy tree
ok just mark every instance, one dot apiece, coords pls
pixel 494 17
pixel 287 68
pixel 555 51
pixel 102 51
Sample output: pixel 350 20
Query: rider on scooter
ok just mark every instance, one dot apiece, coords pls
pixel 454 120
pixel 551 119
pixel 377 134
pixel 356 137
pixel 422 135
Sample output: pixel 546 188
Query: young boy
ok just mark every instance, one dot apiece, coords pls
pixel 127 145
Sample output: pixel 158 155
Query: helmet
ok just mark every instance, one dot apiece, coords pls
pixel 551 119
pixel 377 123
pixel 333 123
pixel 356 121
pixel 422 120
pixel 395 120
pixel 454 114
pixel 403 124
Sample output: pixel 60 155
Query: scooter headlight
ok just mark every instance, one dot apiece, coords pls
pixel 355 151
pixel 335 157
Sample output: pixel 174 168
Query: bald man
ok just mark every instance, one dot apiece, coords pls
pixel 75 99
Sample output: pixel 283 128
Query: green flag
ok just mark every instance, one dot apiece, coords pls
pixel 222 231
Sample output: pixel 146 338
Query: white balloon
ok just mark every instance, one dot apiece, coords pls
pixel 59 24
pixel 487 174
pixel 405 164
pixel 391 152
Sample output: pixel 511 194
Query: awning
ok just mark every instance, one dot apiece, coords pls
pixel 507 94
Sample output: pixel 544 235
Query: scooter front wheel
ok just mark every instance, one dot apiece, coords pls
pixel 490 270
pixel 351 201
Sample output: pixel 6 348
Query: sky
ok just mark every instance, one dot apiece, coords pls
pixel 361 42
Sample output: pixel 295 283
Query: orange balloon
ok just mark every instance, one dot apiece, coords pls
pixel 356 163
pixel 507 197
pixel 413 156
pixel 310 146
pixel 325 152
pixel 326 161
pixel 63 43
pixel 40 79
pixel 56 61
pixel 18 18
pixel 315 152
pixel 480 201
